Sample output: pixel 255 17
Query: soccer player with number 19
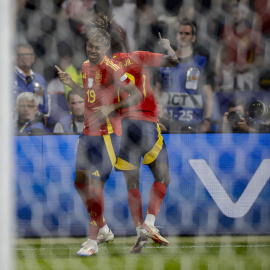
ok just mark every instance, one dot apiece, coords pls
pixel 99 143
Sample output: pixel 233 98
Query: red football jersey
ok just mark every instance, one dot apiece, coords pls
pixel 100 83
pixel 136 66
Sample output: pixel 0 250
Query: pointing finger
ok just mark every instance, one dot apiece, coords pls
pixel 58 68
pixel 159 35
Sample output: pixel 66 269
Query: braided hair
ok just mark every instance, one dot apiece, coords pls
pixel 100 30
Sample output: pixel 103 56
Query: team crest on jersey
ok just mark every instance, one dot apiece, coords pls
pixel 90 82
pixel 98 77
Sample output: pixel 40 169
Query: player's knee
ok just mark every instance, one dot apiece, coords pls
pixel 132 179
pixel 160 172
pixel 81 177
pixel 164 179
pixel 132 185
pixel 167 180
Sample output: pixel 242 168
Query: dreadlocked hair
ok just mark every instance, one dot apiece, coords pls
pixel 100 30
pixel 100 35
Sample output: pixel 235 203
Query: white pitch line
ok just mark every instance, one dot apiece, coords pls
pixel 153 247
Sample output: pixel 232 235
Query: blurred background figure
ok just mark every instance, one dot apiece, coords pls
pixel 56 31
pixel 124 14
pixel 186 89
pixel 74 122
pixel 26 80
pixel 148 26
pixel 74 69
pixel 29 122
pixel 166 123
pixel 240 52
pixel 235 120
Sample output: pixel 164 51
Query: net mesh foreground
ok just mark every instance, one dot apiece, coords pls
pixel 226 252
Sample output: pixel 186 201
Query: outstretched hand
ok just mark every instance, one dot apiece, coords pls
pixel 163 42
pixel 63 76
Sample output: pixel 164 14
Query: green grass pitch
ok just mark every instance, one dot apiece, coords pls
pixel 185 253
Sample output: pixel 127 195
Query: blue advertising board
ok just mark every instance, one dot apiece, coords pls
pixel 219 185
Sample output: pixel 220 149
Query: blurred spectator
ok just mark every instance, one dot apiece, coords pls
pixel 26 80
pixel 148 27
pixel 186 89
pixel 175 11
pixel 74 122
pixel 235 119
pixel 166 123
pixel 240 52
pixel 74 70
pixel 54 86
pixel 21 20
pixel 262 24
pixel 66 56
pixel 79 12
pixel 124 14
pixel 221 13
pixel 262 20
pixel 29 122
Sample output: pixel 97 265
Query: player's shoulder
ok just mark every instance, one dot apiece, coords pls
pixel 120 56
pixel 111 64
pixel 86 64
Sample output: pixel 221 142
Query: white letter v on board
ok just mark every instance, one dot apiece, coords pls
pixel 220 196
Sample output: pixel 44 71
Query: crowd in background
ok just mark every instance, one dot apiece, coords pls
pixel 233 34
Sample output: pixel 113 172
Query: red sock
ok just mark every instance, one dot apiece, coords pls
pixel 96 211
pixel 157 194
pixel 93 200
pixel 83 191
pixel 135 206
pixel 103 222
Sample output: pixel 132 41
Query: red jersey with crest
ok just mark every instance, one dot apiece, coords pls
pixel 135 65
pixel 100 82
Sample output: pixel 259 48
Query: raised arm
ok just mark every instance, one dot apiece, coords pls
pixel 66 79
pixel 170 59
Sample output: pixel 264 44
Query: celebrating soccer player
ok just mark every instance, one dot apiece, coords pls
pixel 142 138
pixel 99 143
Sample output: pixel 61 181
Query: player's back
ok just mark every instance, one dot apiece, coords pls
pixel 136 66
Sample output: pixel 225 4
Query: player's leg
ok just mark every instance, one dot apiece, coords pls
pixel 160 171
pixel 159 167
pixel 135 206
pixel 102 162
pixel 129 163
pixel 157 194
pixel 83 188
pixel 134 197
pixel 105 234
